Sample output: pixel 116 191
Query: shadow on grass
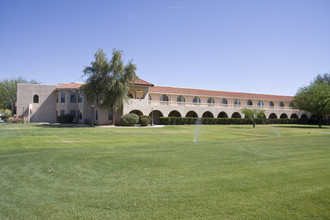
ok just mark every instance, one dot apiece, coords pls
pixel 303 127
pixel 62 125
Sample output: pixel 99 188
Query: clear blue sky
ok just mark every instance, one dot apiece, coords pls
pixel 266 46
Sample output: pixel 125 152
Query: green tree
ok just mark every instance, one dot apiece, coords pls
pixel 315 98
pixel 325 78
pixel 8 90
pixel 108 82
pixel 252 114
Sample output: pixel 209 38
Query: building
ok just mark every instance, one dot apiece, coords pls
pixel 43 103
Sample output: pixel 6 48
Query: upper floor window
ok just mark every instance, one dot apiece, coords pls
pixel 271 104
pixel 249 102
pixel 260 103
pixel 62 96
pixel 210 101
pixel 196 100
pixel 281 104
pixel 224 101
pixel 164 98
pixel 291 105
pixel 35 99
pixel 237 102
pixel 73 96
pixel 80 97
pixel 180 99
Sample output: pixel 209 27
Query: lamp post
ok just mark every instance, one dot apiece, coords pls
pixel 152 116
pixel 92 115
pixel 23 114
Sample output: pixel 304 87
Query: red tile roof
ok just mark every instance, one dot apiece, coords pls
pixel 141 82
pixel 212 93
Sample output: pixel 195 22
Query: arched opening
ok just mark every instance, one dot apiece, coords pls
pixel 180 99
pixel 139 94
pixel 304 116
pixel 281 104
pixel 260 103
pixel 224 101
pixel 284 115
pixel 237 102
pixel 192 114
pixel 249 102
pixel 131 94
pixel 236 115
pixel 207 115
pixel 164 98
pixel 137 112
pixel 155 115
pixel 210 101
pixel 291 105
pixel 174 114
pixel 273 115
pixel 196 100
pixel 294 116
pixel 271 104
pixel 313 117
pixel 35 99
pixel 222 115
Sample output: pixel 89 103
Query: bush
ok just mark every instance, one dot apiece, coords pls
pixel 129 119
pixel 65 118
pixel 5 116
pixel 144 120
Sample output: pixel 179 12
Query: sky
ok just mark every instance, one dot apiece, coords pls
pixel 255 46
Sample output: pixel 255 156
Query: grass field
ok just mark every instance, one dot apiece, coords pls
pixel 230 172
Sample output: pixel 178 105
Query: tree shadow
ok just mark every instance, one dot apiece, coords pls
pixel 62 125
pixel 303 127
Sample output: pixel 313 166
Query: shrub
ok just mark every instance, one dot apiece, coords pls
pixel 129 119
pixel 5 116
pixel 144 118
pixel 65 118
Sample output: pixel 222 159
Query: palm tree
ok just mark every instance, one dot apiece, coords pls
pixel 108 82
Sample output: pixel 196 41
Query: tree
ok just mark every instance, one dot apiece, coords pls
pixel 325 78
pixel 8 90
pixel 315 98
pixel 252 114
pixel 108 82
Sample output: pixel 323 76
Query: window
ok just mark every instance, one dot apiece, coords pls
pixel 110 115
pixel 237 102
pixel 291 105
pixel 62 96
pixel 73 113
pixel 260 103
pixel 79 114
pixel 62 112
pixel 164 98
pixel 196 100
pixel 281 104
pixel 224 101
pixel 80 97
pixel 73 96
pixel 210 101
pixel 180 99
pixel 271 104
pixel 249 102
pixel 35 99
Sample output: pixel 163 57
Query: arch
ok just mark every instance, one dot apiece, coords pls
pixel 284 115
pixel 164 98
pixel 304 116
pixel 180 99
pixel 224 101
pixel 139 94
pixel 210 101
pixel 222 115
pixel 281 104
pixel 249 102
pixel 131 94
pixel 236 115
pixel 271 104
pixel 155 115
pixel 196 100
pixel 207 115
pixel 237 102
pixel 192 114
pixel 174 113
pixel 272 115
pixel 294 115
pixel 137 112
pixel 261 116
pixel 35 99
pixel 260 103
pixel 313 116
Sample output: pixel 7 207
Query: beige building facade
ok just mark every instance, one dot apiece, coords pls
pixel 43 103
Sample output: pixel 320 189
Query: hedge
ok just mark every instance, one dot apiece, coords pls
pixel 228 121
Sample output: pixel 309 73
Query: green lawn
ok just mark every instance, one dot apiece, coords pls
pixel 230 172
